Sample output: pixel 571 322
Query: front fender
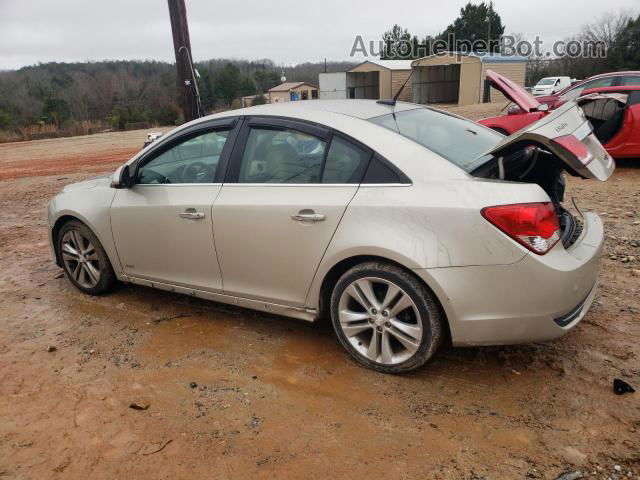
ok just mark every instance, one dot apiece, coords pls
pixel 92 207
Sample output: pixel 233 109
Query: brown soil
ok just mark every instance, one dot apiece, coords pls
pixel 278 398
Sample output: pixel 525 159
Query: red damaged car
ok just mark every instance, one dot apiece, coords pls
pixel 614 113
pixel 611 79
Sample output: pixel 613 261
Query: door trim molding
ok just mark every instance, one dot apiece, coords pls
pixel 307 314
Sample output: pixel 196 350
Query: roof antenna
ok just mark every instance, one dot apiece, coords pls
pixel 392 102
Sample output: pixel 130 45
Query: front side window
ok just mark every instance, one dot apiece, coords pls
pixel 281 156
pixel 192 161
pixel 458 140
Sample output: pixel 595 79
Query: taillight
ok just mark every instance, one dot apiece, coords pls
pixel 576 147
pixel 534 225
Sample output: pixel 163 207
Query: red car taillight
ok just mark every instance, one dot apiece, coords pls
pixel 534 225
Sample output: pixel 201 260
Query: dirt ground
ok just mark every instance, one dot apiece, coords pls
pixel 278 398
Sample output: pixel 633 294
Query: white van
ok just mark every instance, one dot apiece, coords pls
pixel 551 85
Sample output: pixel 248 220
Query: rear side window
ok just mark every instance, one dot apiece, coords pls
pixel 380 171
pixel 345 162
pixel 281 156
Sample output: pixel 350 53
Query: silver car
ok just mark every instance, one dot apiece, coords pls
pixel 403 224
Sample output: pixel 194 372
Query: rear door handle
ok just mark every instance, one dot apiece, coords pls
pixel 192 214
pixel 308 216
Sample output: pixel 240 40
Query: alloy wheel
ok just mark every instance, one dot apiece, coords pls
pixel 80 259
pixel 380 320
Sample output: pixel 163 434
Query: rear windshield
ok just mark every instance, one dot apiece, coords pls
pixel 460 141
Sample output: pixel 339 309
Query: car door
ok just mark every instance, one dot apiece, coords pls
pixel 162 226
pixel 288 186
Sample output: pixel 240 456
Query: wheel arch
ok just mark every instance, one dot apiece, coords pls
pixel 65 217
pixel 338 269
pixel 55 232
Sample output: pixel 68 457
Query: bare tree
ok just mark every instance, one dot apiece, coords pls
pixel 606 29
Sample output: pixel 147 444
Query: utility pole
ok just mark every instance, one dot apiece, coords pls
pixel 489 49
pixel 187 88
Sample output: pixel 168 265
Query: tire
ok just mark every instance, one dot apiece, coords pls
pixel 407 326
pixel 80 268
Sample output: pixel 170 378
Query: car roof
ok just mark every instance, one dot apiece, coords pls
pixel 363 109
pixel 350 117
pixel 593 77
pixel 620 88
pixel 614 74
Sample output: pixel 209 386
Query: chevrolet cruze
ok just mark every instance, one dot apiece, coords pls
pixel 403 224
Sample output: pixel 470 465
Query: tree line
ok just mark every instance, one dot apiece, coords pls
pixel 118 94
pixel 618 34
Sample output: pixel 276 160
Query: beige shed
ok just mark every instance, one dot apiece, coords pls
pixel 379 79
pixel 459 78
pixel 291 92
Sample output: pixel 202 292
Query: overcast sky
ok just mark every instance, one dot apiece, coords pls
pixel 33 31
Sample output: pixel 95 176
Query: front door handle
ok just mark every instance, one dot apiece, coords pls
pixel 192 214
pixel 308 216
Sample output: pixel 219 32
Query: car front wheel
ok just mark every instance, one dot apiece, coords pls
pixel 84 260
pixel 385 317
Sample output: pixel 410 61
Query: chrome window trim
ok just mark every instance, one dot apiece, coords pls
pixel 177 185
pixel 273 184
pixel 318 184
pixel 369 185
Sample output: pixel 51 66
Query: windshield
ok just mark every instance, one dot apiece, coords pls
pixel 460 141
pixel 546 81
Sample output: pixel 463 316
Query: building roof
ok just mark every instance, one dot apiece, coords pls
pixel 389 64
pixel 499 58
pixel 483 57
pixel 285 87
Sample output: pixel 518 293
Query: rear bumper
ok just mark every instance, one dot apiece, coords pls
pixel 536 299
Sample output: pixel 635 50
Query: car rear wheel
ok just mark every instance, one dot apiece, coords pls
pixel 385 317
pixel 84 260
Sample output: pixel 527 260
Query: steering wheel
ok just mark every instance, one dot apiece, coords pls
pixel 196 172
pixel 150 176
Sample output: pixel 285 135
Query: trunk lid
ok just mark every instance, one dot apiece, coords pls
pixel 514 92
pixel 567 134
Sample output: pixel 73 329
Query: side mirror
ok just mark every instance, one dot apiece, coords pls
pixel 543 107
pixel 121 178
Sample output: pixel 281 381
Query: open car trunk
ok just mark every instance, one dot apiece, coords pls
pixel 541 152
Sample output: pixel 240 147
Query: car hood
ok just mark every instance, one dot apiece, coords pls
pixel 568 134
pixel 513 91
pixel 89 183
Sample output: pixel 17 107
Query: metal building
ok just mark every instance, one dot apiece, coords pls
pixel 371 79
pixel 379 79
pixel 459 78
pixel 333 86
